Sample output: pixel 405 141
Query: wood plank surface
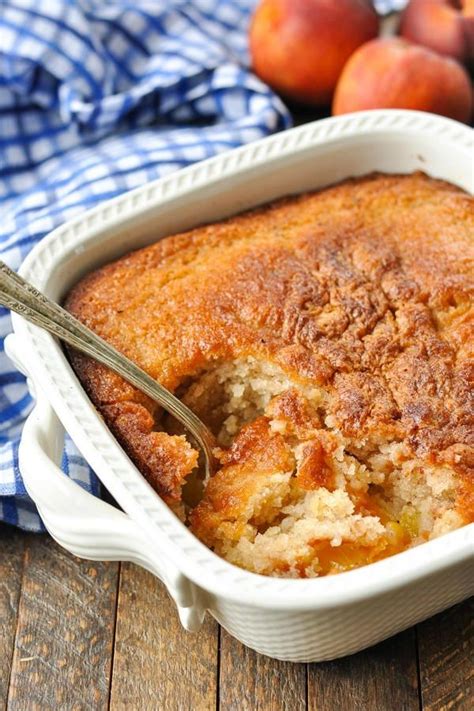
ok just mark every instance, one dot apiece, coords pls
pixel 251 682
pixel 446 654
pixel 383 678
pixel 57 616
pixel 65 630
pixel 157 665
pixel 12 543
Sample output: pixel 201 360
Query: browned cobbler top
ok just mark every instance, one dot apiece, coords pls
pixel 362 289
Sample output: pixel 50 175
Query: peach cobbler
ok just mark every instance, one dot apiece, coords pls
pixel 326 339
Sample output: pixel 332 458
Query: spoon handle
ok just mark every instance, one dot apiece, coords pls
pixel 23 298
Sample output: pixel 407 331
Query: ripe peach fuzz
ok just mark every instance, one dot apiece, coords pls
pixel 447 26
pixel 299 47
pixel 395 74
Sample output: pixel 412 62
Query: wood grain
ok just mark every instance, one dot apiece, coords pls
pixel 11 568
pixel 65 631
pixel 63 611
pixel 446 653
pixel 157 665
pixel 251 682
pixel 383 678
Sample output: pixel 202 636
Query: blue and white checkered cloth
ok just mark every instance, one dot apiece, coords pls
pixel 98 97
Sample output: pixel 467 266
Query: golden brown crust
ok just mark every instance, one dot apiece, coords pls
pixel 164 460
pixel 293 409
pixel 246 469
pixel 364 288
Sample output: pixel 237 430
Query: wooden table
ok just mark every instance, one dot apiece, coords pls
pixel 81 635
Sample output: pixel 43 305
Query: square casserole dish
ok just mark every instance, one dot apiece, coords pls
pixel 296 620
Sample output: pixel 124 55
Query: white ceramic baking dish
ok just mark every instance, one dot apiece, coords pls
pixel 298 620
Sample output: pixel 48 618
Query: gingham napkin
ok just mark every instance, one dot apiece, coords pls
pixel 97 97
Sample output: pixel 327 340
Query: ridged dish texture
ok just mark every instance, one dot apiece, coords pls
pixel 326 339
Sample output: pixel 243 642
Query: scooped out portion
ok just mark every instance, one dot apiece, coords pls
pixel 294 497
pixel 326 340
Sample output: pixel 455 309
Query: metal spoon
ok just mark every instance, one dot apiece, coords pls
pixel 20 296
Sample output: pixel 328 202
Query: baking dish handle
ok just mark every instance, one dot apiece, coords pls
pixel 82 523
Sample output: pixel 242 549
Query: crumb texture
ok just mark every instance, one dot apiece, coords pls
pixel 326 339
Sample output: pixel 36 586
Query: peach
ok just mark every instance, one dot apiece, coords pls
pixel 447 26
pixel 299 47
pixel 395 74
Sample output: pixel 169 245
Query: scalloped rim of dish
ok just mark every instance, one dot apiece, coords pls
pixel 49 366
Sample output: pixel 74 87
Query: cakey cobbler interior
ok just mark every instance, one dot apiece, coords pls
pixel 325 340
